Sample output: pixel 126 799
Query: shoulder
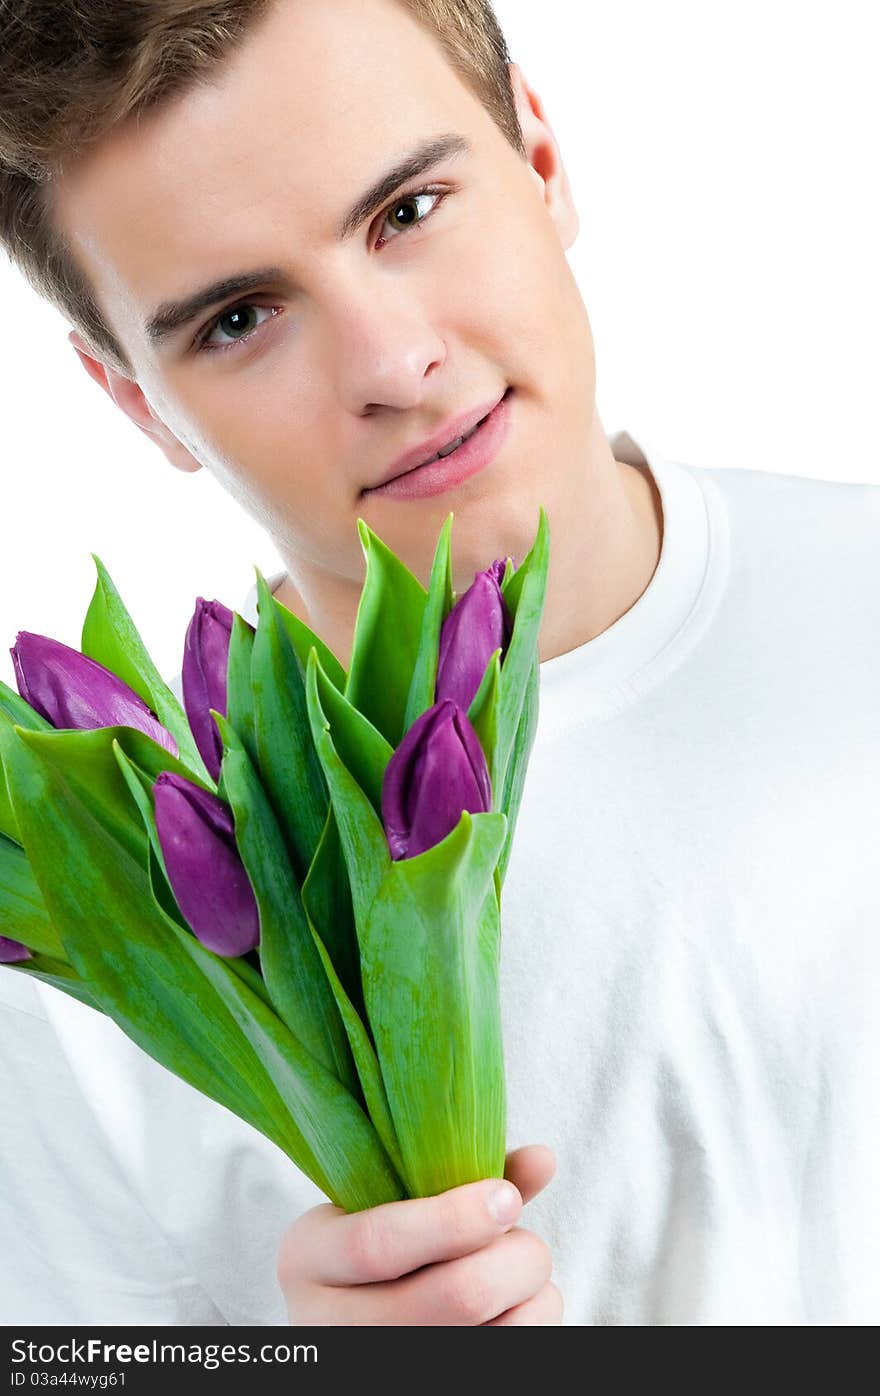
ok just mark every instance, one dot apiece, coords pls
pixel 818 534
pixel 768 499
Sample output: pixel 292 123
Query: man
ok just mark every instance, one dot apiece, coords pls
pixel 329 253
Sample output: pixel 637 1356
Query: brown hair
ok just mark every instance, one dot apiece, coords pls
pixel 72 70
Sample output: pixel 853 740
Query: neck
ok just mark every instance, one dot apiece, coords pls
pixel 605 547
pixel 606 538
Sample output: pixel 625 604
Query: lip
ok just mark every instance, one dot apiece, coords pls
pixel 408 479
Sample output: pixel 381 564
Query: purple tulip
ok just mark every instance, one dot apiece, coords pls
pixel 12 951
pixel 478 624
pixel 438 770
pixel 197 836
pixel 205 665
pixel 71 690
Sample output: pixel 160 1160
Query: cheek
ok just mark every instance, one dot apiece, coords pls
pixel 255 430
pixel 513 293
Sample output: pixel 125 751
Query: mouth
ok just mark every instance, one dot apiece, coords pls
pixel 457 459
pixel 453 445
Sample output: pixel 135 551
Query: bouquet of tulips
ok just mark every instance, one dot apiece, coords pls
pixel 287 890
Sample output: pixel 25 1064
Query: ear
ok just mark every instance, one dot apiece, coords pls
pixel 544 158
pixel 129 398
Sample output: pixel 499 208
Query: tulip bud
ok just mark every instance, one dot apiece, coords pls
pixel 70 690
pixel 12 951
pixel 197 836
pixel 205 666
pixel 478 624
pixel 438 770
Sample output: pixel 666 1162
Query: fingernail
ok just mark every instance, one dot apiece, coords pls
pixel 504 1203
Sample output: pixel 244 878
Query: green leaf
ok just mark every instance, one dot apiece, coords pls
pixel 483 716
pixel 361 747
pixel 514 577
pixel 110 637
pixel 367 1062
pixel 288 765
pixel 23 914
pixel 524 592
pixel 361 831
pixel 326 897
pixel 239 690
pixel 525 596
pixel 386 638
pixel 183 1005
pixel 8 822
pixel 303 639
pixel 14 711
pixel 292 968
pixel 437 608
pixel 87 762
pixel 517 765
pixel 332 1139
pixel 88 765
pixel 430 955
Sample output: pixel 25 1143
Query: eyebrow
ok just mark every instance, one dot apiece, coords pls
pixel 172 315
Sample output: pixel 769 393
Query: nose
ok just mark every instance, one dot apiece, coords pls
pixel 384 347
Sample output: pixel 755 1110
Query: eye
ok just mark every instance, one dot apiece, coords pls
pixel 409 211
pixel 235 320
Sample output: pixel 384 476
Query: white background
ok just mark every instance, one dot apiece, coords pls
pixel 723 159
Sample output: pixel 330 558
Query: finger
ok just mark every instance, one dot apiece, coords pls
pixel 385 1242
pixel 479 1287
pixel 542 1310
pixel 467 1291
pixel 530 1169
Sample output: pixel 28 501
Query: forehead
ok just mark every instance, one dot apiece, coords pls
pixel 303 115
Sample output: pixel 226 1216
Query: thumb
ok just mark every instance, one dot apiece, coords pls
pixel 530 1169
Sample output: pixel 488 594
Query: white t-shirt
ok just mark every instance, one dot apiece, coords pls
pixel 690 973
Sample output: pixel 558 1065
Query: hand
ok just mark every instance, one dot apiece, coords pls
pixel 449 1259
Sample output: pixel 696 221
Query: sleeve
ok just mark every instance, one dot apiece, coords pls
pixel 77 1245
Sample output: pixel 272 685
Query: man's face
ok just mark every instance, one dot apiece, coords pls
pixel 300 393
